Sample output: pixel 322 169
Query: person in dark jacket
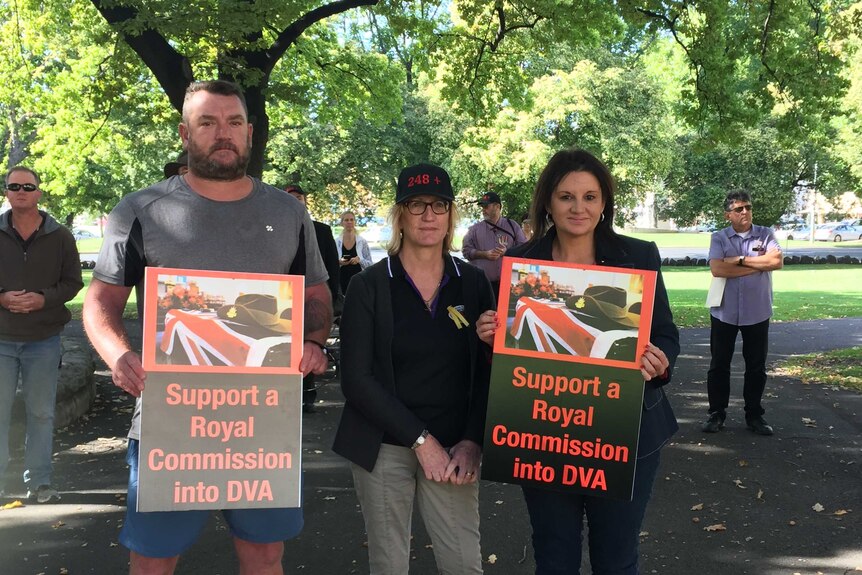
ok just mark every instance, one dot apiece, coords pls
pixel 40 272
pixel 572 213
pixel 329 253
pixel 415 377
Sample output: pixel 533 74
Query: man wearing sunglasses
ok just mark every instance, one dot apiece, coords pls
pixel 40 272
pixel 745 255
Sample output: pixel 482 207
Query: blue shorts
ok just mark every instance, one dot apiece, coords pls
pixel 170 533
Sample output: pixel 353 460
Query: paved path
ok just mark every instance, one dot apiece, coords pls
pixel 761 489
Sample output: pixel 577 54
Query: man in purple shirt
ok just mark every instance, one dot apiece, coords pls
pixel 487 241
pixel 745 255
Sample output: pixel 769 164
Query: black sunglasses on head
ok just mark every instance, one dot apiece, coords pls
pixel 740 209
pixel 19 187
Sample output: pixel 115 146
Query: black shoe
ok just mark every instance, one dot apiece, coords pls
pixel 308 408
pixel 714 424
pixel 759 426
pixel 43 494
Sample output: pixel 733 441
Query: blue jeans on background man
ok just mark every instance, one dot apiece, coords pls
pixel 614 526
pixel 38 363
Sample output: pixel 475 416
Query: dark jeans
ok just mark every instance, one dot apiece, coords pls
pixel 614 526
pixel 722 343
pixel 309 390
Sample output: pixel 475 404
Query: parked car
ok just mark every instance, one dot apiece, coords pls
pixel 838 232
pixel 792 232
pixel 80 234
pixel 377 236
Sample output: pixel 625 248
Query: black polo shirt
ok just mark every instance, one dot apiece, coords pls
pixel 431 356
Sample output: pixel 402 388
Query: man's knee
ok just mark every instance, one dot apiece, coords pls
pixel 142 565
pixel 258 555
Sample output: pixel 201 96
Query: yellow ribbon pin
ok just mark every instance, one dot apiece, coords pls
pixel 581 303
pixel 231 313
pixel 456 316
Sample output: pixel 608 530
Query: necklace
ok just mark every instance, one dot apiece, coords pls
pixel 428 301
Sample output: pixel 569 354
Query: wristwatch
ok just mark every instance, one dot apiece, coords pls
pixel 420 440
pixel 741 260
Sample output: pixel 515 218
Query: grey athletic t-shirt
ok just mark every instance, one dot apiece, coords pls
pixel 169 225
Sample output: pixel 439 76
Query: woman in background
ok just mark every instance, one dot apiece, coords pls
pixel 415 378
pixel 572 213
pixel 353 250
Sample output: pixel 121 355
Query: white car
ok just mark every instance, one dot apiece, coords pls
pixel 838 232
pixel 792 232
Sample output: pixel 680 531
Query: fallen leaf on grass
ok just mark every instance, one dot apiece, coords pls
pixel 841 512
pixel 743 463
pixel 697 507
pixel 12 505
pixel 716 527
pixel 817 507
pixel 808 422
pixel 57 525
pixel 738 483
pixel 492 558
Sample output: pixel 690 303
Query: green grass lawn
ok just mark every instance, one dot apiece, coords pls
pixel 801 293
pixel 77 304
pixel 839 367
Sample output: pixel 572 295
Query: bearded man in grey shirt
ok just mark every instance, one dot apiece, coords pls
pixel 215 217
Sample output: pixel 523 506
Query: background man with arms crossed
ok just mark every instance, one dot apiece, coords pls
pixel 213 218
pixel 745 254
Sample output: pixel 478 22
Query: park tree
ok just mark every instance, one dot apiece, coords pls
pixel 616 112
pixel 303 62
pixel 761 162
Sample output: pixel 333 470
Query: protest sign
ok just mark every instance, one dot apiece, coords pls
pixel 220 420
pixel 566 387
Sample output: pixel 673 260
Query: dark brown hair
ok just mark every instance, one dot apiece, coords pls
pixel 559 166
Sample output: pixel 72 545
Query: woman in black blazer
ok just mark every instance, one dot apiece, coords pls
pixel 571 214
pixel 415 379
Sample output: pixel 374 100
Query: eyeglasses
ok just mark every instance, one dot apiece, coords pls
pixel 740 209
pixel 418 207
pixel 19 187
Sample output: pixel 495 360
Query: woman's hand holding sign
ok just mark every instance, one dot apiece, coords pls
pixel 486 326
pixel 654 362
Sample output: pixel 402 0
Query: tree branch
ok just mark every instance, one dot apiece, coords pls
pixel 289 35
pixel 171 69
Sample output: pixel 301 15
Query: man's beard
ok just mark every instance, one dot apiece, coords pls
pixel 202 166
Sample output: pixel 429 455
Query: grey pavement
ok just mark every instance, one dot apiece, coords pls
pixel 761 491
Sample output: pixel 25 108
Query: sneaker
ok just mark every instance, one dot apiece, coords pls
pixel 714 424
pixel 43 494
pixel 759 426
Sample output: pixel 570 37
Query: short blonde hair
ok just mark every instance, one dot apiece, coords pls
pixel 396 212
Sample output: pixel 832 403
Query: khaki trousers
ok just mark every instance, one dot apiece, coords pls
pixel 450 513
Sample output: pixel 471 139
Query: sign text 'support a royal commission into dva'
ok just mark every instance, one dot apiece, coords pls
pixel 566 387
pixel 221 425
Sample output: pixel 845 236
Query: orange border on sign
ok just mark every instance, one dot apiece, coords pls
pixel 648 295
pixel 151 281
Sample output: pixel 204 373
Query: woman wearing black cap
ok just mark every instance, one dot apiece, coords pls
pixel 572 213
pixel 415 378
